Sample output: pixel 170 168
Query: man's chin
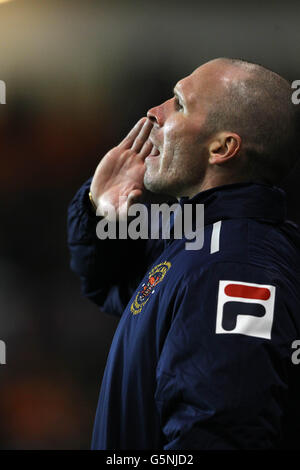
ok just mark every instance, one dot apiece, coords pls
pixel 154 184
pixel 151 186
pixel 157 186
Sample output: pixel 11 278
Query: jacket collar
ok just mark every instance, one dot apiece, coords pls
pixel 241 200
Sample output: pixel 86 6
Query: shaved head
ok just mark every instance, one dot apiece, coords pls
pixel 255 103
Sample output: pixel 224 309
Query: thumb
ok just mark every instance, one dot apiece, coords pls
pixel 134 196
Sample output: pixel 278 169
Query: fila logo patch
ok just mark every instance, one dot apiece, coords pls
pixel 245 308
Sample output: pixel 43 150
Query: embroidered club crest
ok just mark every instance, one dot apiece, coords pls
pixel 155 276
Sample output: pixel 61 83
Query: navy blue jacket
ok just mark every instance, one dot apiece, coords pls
pixel 201 358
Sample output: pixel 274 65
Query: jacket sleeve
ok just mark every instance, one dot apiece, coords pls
pixel 222 372
pixel 109 270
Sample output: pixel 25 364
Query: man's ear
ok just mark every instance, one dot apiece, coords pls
pixel 223 146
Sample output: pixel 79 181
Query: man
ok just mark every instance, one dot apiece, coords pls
pixel 202 360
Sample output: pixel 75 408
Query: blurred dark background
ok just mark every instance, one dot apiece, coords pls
pixel 78 75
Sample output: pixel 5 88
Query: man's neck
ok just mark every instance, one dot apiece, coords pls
pixel 209 182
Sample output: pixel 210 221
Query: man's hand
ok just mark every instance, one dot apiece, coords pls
pixel 118 179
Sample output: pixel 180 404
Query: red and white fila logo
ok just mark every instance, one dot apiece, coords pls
pixel 245 308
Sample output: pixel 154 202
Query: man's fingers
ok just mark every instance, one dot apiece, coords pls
pixel 130 138
pixel 146 149
pixel 134 196
pixel 142 136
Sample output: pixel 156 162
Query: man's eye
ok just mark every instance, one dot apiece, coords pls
pixel 177 104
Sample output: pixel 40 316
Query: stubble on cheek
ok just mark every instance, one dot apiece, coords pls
pixel 171 149
pixel 171 171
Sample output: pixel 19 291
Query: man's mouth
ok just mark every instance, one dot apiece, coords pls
pixel 154 152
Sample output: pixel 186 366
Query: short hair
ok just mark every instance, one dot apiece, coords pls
pixel 259 108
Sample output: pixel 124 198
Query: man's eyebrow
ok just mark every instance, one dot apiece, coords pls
pixel 178 94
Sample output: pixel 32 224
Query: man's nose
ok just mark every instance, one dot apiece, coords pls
pixel 154 114
pixel 157 115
